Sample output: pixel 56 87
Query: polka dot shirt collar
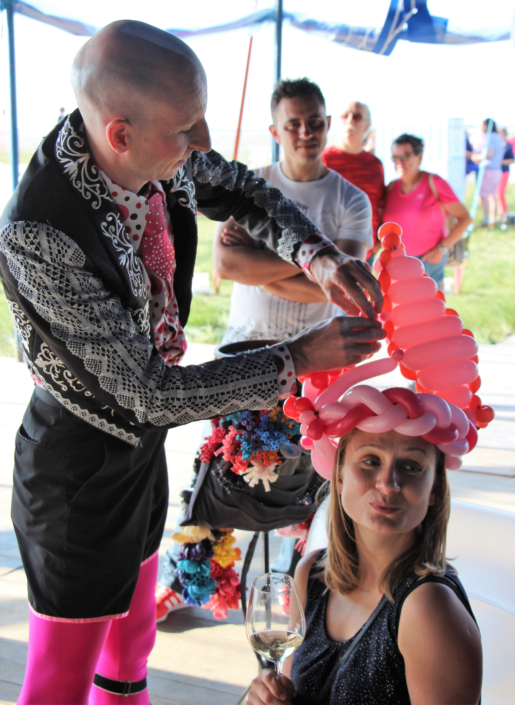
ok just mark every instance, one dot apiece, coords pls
pixel 133 208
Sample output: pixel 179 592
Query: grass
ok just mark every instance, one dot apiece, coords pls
pixel 486 301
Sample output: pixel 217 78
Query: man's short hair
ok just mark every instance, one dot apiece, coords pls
pixel 417 144
pixel 298 88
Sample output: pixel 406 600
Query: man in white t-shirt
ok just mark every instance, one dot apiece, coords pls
pixel 271 298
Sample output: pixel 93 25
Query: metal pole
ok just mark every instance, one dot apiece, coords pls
pixel 277 60
pixel 9 8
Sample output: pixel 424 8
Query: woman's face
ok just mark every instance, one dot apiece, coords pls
pixel 387 481
pixel 407 163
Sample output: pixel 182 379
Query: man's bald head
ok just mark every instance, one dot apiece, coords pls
pixel 142 94
pixel 127 64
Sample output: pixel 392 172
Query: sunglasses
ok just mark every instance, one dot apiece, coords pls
pixel 402 157
pixel 356 117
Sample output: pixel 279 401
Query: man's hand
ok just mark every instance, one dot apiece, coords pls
pixel 234 235
pixel 346 282
pixel 268 689
pixel 335 343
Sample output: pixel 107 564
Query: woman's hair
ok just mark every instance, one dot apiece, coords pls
pixel 494 125
pixel 426 555
pixel 417 143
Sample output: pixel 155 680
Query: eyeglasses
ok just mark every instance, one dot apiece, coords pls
pixel 402 157
pixel 355 117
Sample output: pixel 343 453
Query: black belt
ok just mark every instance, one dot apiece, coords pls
pixel 45 396
pixel 124 688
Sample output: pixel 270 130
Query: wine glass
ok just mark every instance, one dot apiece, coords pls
pixel 275 619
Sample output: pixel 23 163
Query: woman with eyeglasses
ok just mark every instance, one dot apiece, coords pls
pixel 421 203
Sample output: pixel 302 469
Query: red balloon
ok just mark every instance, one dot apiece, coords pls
pixel 466 331
pixel 303 404
pixel 485 414
pixel 442 435
pixel 391 240
pixel 408 399
pixel 451 312
pixel 349 421
pixel 408 374
pixel 387 228
pixel 389 328
pixel 385 257
pixel 474 386
pixel 460 396
pixel 475 359
pixel 391 348
pixel 475 403
pixel 289 408
pixel 385 280
pixel 440 295
pixel 315 429
pixel 421 390
pixel 387 304
pixel 471 436
pixel 320 380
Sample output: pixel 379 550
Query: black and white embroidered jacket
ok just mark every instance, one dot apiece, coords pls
pixel 76 292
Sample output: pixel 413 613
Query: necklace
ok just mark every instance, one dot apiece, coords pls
pixel 365 592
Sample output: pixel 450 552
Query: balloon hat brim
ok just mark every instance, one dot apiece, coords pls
pixel 429 345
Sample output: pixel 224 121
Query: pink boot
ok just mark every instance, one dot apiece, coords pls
pixel 61 661
pixel 128 645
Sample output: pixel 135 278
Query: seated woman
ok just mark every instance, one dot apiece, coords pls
pixel 388 515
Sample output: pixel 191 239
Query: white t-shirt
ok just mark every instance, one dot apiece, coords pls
pixel 341 211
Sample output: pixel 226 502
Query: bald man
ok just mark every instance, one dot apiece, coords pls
pixel 361 168
pixel 97 250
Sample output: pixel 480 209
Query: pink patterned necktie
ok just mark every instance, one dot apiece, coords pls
pixel 157 250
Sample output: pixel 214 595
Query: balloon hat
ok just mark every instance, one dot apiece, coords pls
pixel 429 344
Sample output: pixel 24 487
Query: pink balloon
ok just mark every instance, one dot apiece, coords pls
pixel 434 352
pixel 459 396
pixel 306 443
pixel 447 374
pixel 323 466
pixel 309 391
pixel 352 377
pixel 417 427
pixel 307 417
pixel 377 267
pixel 370 396
pixel 459 419
pixel 405 268
pixel 453 462
pixel 326 449
pixel 472 436
pixel 417 311
pixel 409 400
pixel 439 407
pixel 412 289
pixel 304 429
pixel 333 412
pixel 386 421
pixel 419 333
pixel 456 448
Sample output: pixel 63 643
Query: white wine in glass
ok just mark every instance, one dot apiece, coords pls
pixel 275 618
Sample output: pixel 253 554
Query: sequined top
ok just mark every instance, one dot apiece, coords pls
pixel 374 673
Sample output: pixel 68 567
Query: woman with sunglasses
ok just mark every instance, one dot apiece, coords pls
pixel 421 203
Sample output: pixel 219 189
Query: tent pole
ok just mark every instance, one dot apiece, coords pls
pixel 277 62
pixel 238 131
pixel 9 8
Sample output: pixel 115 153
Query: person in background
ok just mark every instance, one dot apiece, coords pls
pixel 271 299
pixel 507 160
pixel 362 168
pixel 420 202
pixel 470 165
pixel 61 115
pixel 491 151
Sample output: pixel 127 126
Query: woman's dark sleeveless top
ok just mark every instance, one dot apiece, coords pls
pixel 375 673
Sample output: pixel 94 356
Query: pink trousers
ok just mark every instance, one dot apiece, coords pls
pixel 501 190
pixel 63 656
